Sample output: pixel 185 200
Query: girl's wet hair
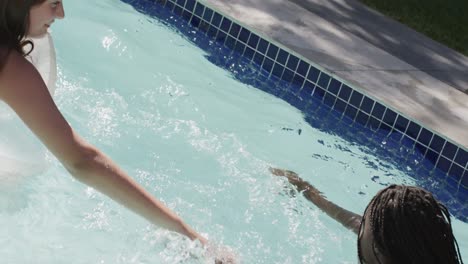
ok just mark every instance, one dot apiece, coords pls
pixel 14 22
pixel 410 226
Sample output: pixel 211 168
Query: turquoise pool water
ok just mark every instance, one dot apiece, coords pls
pixel 197 139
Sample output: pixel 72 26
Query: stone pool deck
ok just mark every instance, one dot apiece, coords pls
pixel 416 76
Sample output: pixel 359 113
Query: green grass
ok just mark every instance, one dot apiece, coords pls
pixel 445 21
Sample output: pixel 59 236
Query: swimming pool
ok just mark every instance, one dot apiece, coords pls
pixel 200 138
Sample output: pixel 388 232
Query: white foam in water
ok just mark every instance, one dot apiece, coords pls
pixel 195 138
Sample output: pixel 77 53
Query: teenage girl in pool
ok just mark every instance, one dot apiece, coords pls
pixel 401 224
pixel 24 90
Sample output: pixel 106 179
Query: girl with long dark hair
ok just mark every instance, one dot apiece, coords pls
pixel 23 89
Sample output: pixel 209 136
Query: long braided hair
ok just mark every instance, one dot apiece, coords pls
pixel 14 23
pixel 410 226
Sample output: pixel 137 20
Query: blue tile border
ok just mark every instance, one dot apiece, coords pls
pixel 308 81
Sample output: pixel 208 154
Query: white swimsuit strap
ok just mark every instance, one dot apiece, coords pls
pixel 44 59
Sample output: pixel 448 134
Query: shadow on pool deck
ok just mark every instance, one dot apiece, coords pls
pixel 400 41
pixel 407 71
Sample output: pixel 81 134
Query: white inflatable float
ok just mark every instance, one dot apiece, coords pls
pixel 21 153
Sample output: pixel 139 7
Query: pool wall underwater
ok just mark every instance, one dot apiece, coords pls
pixel 349 112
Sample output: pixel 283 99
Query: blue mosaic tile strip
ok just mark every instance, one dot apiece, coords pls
pixel 319 94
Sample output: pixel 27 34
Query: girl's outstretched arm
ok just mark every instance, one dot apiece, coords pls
pixel 348 219
pixel 23 89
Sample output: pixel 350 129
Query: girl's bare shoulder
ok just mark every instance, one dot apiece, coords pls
pixel 14 66
pixel 16 72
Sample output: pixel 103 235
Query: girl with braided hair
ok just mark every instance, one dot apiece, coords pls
pixel 401 224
